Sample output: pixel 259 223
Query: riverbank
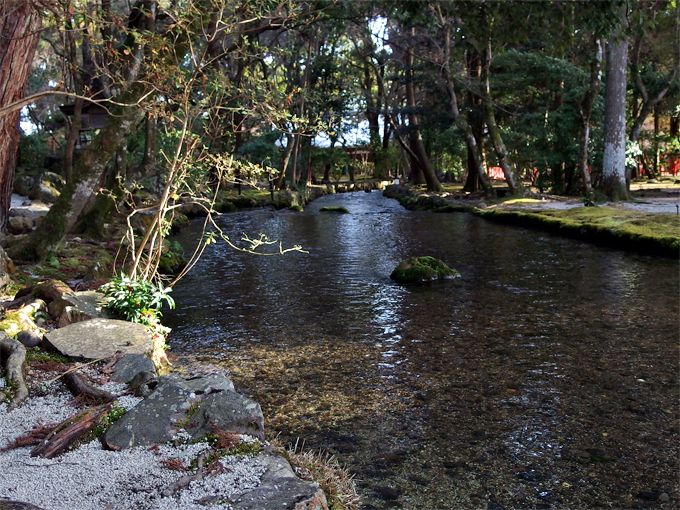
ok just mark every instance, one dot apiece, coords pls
pixel 105 429
pixel 648 224
pixel 247 473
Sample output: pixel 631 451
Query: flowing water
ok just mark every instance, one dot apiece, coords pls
pixel 545 377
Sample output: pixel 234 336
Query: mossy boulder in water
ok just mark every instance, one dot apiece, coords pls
pixel 334 209
pixel 422 270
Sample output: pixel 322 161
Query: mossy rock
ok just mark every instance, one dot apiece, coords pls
pixel 179 221
pixel 334 209
pixel 422 270
pixel 296 208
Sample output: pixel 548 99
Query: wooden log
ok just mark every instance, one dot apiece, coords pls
pixel 70 431
pixel 15 356
pixel 16 302
pixel 6 504
pixel 77 385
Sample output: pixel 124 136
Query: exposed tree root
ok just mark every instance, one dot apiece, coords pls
pixel 14 354
pixel 77 385
pixel 31 438
pixel 70 431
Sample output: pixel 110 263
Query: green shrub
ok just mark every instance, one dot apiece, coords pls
pixel 136 300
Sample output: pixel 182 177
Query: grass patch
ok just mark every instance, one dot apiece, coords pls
pixel 647 232
pixel 337 483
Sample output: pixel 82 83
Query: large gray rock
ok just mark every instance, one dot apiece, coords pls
pixel 54 179
pixel 100 338
pixel 227 411
pixel 127 367
pixel 280 488
pixel 20 224
pixel 173 404
pixel 23 184
pixel 155 420
pixel 77 307
pixel 6 269
pixel 44 191
pixel 210 383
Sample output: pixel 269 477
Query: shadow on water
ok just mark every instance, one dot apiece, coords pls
pixel 547 376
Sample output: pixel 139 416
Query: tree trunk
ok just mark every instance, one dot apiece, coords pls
pixel 657 126
pixel 87 174
pixel 501 152
pixel 72 139
pixel 19 33
pixel 585 111
pixel 476 172
pixel 417 145
pixel 614 159
pixel 285 161
pixel 150 144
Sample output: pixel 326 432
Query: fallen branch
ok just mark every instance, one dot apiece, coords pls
pixel 15 356
pixel 185 480
pixel 70 431
pixel 16 303
pixel 81 388
pixel 74 369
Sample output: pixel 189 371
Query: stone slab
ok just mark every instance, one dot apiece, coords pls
pixel 100 338
pixel 280 488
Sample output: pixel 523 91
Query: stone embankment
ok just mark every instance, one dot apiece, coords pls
pixel 131 438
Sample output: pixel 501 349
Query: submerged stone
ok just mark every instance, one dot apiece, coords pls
pixel 422 270
pixel 335 209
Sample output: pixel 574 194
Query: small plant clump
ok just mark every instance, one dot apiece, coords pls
pixel 337 483
pixel 136 300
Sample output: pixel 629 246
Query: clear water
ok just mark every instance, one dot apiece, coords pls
pixel 545 377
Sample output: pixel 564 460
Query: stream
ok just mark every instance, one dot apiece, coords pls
pixel 545 377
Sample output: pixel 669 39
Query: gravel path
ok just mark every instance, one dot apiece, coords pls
pixel 91 478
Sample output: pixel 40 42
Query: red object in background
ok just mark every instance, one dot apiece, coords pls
pixel 496 172
pixel 673 166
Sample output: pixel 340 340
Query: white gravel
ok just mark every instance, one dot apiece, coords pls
pixel 91 478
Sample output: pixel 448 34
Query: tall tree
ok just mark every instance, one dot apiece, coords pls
pixel 614 159
pixel 20 25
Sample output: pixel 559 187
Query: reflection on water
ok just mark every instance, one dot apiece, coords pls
pixel 547 376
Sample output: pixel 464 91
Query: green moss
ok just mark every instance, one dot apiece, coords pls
pixel 37 355
pixel 191 412
pixel 335 209
pixel 12 323
pixel 225 206
pixel 115 414
pixel 296 208
pixel 648 232
pixel 422 269
pixel 245 448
